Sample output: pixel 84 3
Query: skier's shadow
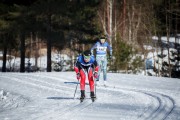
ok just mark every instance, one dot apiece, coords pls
pixel 64 98
pixel 72 83
pixel 61 98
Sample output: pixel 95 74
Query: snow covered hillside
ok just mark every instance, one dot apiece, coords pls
pixel 49 96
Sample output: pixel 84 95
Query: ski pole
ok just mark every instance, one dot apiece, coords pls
pixel 94 81
pixel 94 85
pixel 75 90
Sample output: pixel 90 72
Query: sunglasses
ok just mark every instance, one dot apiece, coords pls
pixel 87 57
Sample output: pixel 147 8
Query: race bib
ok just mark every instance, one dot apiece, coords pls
pixel 101 49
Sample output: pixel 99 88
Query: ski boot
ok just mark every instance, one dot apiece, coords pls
pixel 93 97
pixel 82 95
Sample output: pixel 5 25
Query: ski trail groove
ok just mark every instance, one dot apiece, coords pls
pixel 161 107
pixel 31 83
pixel 165 106
pixel 66 112
pixel 60 112
pixel 44 80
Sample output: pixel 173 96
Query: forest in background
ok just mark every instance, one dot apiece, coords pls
pixel 27 26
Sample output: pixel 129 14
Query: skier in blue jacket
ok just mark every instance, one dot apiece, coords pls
pixel 101 56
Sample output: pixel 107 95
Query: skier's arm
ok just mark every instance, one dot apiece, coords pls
pixel 96 69
pixel 94 47
pixel 77 66
pixel 95 64
pixel 76 69
pixel 110 49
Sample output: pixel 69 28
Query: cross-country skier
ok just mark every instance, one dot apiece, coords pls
pixel 101 56
pixel 86 63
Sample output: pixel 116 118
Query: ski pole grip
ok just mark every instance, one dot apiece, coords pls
pixel 78 76
pixel 96 68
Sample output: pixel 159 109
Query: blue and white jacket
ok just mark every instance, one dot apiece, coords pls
pixel 80 63
pixel 101 49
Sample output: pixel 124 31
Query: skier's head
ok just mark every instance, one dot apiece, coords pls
pixel 102 39
pixel 87 55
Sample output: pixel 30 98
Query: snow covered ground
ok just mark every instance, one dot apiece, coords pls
pixel 49 96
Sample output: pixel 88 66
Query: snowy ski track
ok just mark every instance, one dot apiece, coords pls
pixel 49 96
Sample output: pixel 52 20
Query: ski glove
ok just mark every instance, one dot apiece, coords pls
pixel 96 74
pixel 78 76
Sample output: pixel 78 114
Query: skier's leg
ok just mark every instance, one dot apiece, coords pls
pixel 82 82
pixel 82 94
pixel 104 69
pixel 91 80
pixel 104 74
pixel 98 59
pixel 91 83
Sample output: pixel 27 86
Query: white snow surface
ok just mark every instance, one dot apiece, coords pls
pixel 50 96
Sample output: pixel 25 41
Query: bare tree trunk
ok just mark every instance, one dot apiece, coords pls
pixel 110 21
pixel 124 18
pixel 49 45
pixel 22 39
pixel 108 17
pixel 37 51
pixel 115 24
pixel 168 23
pixel 160 42
pixel 129 25
pixel 4 53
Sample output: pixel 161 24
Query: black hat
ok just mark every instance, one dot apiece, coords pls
pixel 103 37
pixel 87 53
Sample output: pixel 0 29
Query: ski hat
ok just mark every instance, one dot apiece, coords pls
pixel 87 55
pixel 103 37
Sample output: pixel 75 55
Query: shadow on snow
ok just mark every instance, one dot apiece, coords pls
pixel 71 83
pixel 62 98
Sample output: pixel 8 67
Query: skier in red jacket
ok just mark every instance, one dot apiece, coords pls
pixel 86 63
